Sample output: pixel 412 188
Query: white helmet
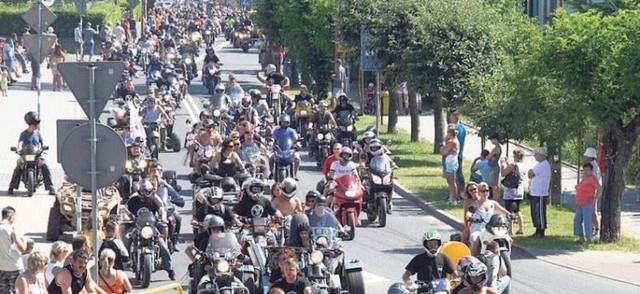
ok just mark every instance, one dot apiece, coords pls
pixel 289 187
pixel 270 68
pixel 253 187
pixel 220 86
pixel 375 147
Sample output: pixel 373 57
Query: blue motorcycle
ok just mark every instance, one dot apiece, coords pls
pixel 284 157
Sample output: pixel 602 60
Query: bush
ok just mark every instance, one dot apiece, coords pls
pixel 98 14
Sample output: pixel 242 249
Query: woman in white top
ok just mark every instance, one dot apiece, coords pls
pixel 31 281
pixel 57 256
pixel 513 196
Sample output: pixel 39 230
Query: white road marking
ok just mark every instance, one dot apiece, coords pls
pixel 370 278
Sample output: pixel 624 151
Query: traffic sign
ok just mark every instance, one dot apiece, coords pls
pixel 31 17
pixel 48 3
pixel 111 156
pixel 76 74
pixel 368 60
pixel 64 128
pixel 31 42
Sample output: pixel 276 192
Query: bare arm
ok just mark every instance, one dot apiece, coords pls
pixel 446 148
pixel 506 168
pixel 500 208
pixel 239 163
pixel 531 174
pixel 213 163
pixel 406 277
pixel 91 287
pixel 22 286
pixel 63 279
pixel 299 207
pixel 126 284
pixel 20 244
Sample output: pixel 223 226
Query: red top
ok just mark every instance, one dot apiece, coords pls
pixel 326 167
pixel 586 191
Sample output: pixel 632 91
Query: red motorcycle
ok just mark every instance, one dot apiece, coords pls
pixel 348 198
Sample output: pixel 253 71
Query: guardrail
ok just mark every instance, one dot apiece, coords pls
pixel 163 289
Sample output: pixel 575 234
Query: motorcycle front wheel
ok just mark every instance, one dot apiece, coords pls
pixel 145 275
pixel 31 182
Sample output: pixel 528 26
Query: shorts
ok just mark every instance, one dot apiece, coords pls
pixel 9 64
pixel 8 281
pixel 337 91
pixel 78 46
pixel 451 165
pixel 87 48
pixel 512 206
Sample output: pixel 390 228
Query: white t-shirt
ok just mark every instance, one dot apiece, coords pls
pixel 539 184
pixel 342 170
pixel 48 270
pixel 596 171
pixel 9 255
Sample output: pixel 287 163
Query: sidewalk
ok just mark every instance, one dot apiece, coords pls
pixel 613 265
pixel 33 211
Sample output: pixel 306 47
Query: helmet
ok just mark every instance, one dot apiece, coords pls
pixel 323 104
pixel 253 187
pixel 346 153
pixel 207 123
pixel 205 113
pixel 371 85
pixel 398 288
pixel 313 194
pixel 209 50
pixel 375 147
pixel 220 87
pixel 215 222
pixel 270 68
pixel 320 185
pixel 289 187
pixel 430 236
pixel 149 99
pixel 369 135
pixel 31 118
pixel 246 102
pixel 465 262
pixel 343 97
pixel 214 193
pixel 321 200
pixel 228 184
pixel 476 269
pixel 146 189
pixel 255 93
pixel 284 118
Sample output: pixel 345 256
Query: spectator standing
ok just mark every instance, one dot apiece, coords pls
pixel 11 245
pixel 87 38
pixel 31 281
pixel 127 30
pixel 338 81
pixel 494 164
pixel 74 277
pixel 540 179
pixel 4 81
pixel 450 149
pixel 57 57
pixel 112 280
pixel 17 46
pixel 119 34
pixel 133 28
pixel 114 244
pixel 454 118
pixel 77 41
pixel 590 156
pixel 8 56
pixel 587 191
pixel 513 196
pixel 57 255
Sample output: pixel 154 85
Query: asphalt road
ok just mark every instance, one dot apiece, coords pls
pixel 384 251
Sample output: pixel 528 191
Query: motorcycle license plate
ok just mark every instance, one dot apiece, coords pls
pixel 30 157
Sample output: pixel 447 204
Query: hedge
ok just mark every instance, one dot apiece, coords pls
pixel 67 17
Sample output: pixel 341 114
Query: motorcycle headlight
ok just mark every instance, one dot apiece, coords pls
pixel 128 164
pixel 143 164
pixel 216 113
pixel 317 257
pixel 222 266
pixel 349 128
pixel 303 112
pixel 209 153
pixel 350 193
pixel 328 136
pixel 322 242
pixel 259 229
pixel 146 232
pixel 188 61
pixel 30 157
pixel 319 136
pixel 376 180
pixel 386 180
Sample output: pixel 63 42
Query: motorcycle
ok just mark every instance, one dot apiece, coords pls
pixel 145 251
pixel 439 286
pixel 284 152
pixel 212 76
pixel 209 37
pixel 348 201
pixel 498 232
pixel 152 130
pixel 324 138
pixel 30 164
pixel 274 100
pixel 346 128
pixel 220 262
pixel 378 183
pixel 303 111
pixel 167 135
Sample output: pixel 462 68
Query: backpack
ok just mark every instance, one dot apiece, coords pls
pixel 111 244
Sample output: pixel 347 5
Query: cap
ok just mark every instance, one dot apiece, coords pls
pixel 591 152
pixel 541 150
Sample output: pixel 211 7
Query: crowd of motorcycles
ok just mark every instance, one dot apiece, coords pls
pixel 167 58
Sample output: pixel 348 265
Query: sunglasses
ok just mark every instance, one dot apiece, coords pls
pixel 473 190
pixel 484 191
pixel 229 146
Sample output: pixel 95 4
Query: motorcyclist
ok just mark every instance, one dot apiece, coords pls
pixel 31 137
pixel 430 265
pixel 250 147
pixel 320 118
pixel 125 53
pixel 209 136
pixel 227 163
pixel 284 197
pixel 248 112
pixel 146 198
pixel 476 277
pixel 219 100
pixel 344 105
pixel 284 132
pixel 320 216
pixel 258 104
pixel 170 197
pixel 198 126
pixel 344 166
pixel 461 268
pixel 153 113
pixel 234 90
pixel 377 148
pixel 272 77
pixel 310 200
pixel 213 205
pixel 210 57
pixel 253 203
pixel 127 134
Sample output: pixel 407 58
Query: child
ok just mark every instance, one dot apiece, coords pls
pixel 481 164
pixel 4 81
pixel 27 252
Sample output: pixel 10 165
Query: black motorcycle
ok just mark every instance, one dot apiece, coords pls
pixel 145 250
pixel 30 166
pixel 212 76
pixel 346 128
pixel 220 258
pixel 378 184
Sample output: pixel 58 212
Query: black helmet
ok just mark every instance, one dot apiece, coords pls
pixel 320 186
pixel 321 200
pixel 205 113
pixel 31 118
pixel 216 222
pixel 476 269
pixel 344 97
pixel 228 184
pixel 255 93
pixel 313 194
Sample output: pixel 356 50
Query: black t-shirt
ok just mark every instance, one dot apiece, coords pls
pixel 152 203
pixel 122 93
pixel 201 240
pixel 426 267
pixel 299 98
pixel 348 107
pixel 208 58
pixel 275 78
pixel 297 287
pixel 249 208
pixel 226 212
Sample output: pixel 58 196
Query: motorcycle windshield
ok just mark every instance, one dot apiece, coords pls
pixel 223 246
pixel 145 218
pixel 345 118
pixel 235 94
pixel 380 166
pixel 285 144
pixel 248 151
pixel 327 232
pixel 30 149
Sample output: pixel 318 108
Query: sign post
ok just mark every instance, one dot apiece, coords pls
pixel 368 62
pixel 81 78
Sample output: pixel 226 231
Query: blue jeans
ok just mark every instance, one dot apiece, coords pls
pixel 459 175
pixel 504 285
pixel 583 217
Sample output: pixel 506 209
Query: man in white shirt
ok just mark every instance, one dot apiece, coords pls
pixel 11 247
pixel 540 178
pixel 77 41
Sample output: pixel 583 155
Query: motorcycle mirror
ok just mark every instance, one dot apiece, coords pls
pixel 45 147
pixel 188 121
pixel 14 149
pixel 347 228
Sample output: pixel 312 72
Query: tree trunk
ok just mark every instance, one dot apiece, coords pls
pixel 295 74
pixel 438 123
pixel 619 146
pixel 555 158
pixel 415 116
pixel 392 127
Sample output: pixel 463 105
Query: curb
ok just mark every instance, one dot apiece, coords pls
pixel 450 220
